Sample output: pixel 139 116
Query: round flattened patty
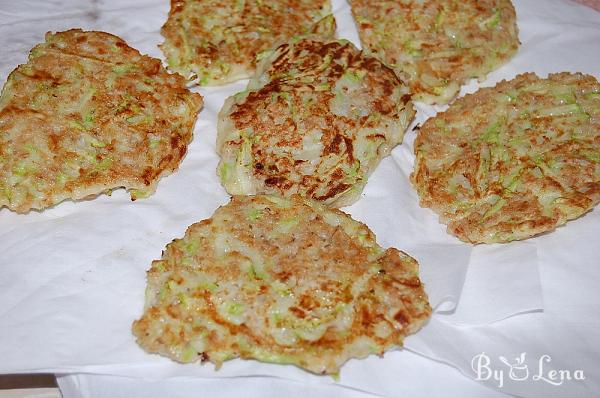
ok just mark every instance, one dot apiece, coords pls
pixel 214 42
pixel 515 160
pixel 87 114
pixel 287 281
pixel 315 120
pixel 440 44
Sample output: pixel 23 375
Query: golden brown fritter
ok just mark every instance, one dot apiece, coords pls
pixel 85 115
pixel 287 281
pixel 513 161
pixel 440 44
pixel 315 120
pixel 214 42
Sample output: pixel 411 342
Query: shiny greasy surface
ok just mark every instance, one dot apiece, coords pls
pixel 515 160
pixel 216 41
pixel 315 120
pixel 87 114
pixel 440 44
pixel 282 281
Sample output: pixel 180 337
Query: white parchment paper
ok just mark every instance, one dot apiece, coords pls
pixel 72 277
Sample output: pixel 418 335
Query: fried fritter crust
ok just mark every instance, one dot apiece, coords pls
pixel 315 120
pixel 515 160
pixel 286 281
pixel 440 44
pixel 85 115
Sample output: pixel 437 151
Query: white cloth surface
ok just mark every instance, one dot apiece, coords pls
pixel 73 276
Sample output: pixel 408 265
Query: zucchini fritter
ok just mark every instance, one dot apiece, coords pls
pixel 440 44
pixel 85 115
pixel 515 160
pixel 286 281
pixel 315 120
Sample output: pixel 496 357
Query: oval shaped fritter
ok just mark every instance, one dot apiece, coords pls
pixel 440 44
pixel 214 42
pixel 87 114
pixel 287 281
pixel 315 120
pixel 513 161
